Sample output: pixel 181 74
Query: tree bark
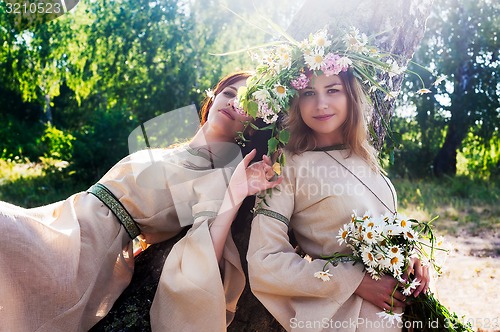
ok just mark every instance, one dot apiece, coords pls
pixel 404 22
pixel 445 162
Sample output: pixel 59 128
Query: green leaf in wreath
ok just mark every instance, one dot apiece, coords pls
pixel 284 136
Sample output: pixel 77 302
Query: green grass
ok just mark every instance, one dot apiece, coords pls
pixel 30 184
pixel 462 204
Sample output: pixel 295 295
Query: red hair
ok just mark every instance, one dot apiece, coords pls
pixel 223 83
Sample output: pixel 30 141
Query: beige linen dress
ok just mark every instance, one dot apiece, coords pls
pixel 63 265
pixel 317 196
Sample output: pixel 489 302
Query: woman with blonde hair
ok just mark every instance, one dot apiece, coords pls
pixel 330 170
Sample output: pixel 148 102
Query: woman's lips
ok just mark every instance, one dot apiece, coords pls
pixel 323 117
pixel 227 113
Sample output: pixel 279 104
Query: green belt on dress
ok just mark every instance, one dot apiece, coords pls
pixel 107 197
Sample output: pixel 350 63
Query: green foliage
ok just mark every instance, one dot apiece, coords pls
pixel 418 145
pixel 19 138
pixel 23 139
pixel 105 67
pixel 479 158
pixel 57 143
pixel 100 144
pixel 461 43
pixel 30 184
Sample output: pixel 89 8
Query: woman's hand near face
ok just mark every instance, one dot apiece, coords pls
pixel 246 180
pixel 249 180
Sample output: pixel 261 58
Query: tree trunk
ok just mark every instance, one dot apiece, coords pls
pixel 404 22
pixel 445 162
pixel 48 110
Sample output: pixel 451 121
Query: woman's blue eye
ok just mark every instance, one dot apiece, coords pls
pixel 308 93
pixel 333 90
pixel 229 94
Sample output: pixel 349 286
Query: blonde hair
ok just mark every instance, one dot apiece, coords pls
pixel 354 129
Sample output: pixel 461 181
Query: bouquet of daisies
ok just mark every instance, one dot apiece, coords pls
pixel 384 245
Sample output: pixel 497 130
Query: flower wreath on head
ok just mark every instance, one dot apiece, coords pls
pixel 286 67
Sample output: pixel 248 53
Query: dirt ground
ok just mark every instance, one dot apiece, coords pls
pixel 470 283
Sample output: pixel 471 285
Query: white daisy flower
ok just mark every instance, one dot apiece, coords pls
pixel 391 230
pixel 391 317
pixel 320 39
pixel 370 237
pixel 344 62
pixel 409 286
pixel 343 234
pixel 280 90
pixel 397 262
pixel 423 91
pixel 284 57
pixel 395 68
pixel 439 80
pixel 261 95
pixel 410 234
pixel 315 59
pixel 368 257
pixel 210 93
pixel 356 41
pixel 394 251
pixel 373 273
pixel 270 118
pixel 366 215
pixel 323 275
pixel 403 222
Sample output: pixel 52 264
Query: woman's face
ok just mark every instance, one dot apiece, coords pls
pixel 323 108
pixel 222 116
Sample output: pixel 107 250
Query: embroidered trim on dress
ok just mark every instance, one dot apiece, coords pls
pixel 273 214
pixel 107 197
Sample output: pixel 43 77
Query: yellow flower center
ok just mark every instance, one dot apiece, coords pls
pixel 369 235
pixel 409 235
pixel 280 89
pixel 370 256
pixel 394 250
pixel 277 168
pixel 318 59
pixel 344 234
pixel 403 223
pixel 394 260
